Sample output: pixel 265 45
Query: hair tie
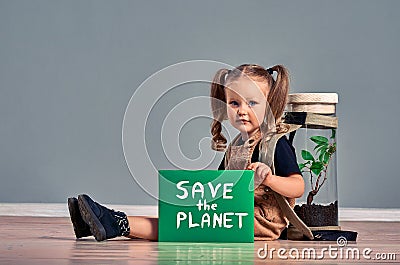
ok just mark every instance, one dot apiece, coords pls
pixel 270 71
pixel 226 75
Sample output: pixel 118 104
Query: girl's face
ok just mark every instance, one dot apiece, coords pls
pixel 246 105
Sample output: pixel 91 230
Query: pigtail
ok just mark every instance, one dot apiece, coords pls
pixel 218 108
pixel 278 94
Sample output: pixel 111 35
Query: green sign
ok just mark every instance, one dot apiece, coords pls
pixel 206 206
pixel 205 253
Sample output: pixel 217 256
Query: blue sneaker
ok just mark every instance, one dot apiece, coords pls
pixel 81 229
pixel 103 222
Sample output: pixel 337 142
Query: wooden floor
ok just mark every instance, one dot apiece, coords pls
pixel 50 240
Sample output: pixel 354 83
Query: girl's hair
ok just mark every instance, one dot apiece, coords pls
pixel 277 96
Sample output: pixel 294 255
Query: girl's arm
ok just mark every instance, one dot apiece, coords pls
pixel 291 186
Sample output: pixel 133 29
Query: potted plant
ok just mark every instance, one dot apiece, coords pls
pixel 315 167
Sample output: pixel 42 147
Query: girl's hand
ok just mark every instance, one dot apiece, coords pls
pixel 262 173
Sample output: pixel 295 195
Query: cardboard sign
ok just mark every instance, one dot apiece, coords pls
pixel 206 206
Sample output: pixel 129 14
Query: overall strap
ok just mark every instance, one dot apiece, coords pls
pixel 267 157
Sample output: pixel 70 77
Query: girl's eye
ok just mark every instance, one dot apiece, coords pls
pixel 252 103
pixel 233 103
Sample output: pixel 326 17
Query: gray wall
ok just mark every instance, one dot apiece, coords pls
pixel 69 68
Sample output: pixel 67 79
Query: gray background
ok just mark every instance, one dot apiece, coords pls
pixel 69 68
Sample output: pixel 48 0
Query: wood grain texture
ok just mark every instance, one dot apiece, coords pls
pixel 50 240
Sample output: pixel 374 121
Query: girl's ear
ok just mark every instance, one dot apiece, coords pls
pixel 218 108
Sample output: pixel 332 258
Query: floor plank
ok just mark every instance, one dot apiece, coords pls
pixel 50 240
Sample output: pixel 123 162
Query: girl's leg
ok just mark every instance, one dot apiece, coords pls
pixel 104 223
pixel 143 227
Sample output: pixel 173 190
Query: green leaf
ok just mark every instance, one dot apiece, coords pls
pixel 301 166
pixel 316 171
pixel 319 140
pixel 324 157
pixel 333 134
pixel 317 167
pixel 320 157
pixel 322 150
pixel 320 145
pixel 307 155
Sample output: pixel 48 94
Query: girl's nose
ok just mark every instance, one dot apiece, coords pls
pixel 241 110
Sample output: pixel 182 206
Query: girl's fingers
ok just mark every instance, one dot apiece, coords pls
pixel 253 166
pixel 262 171
pixel 250 167
pixel 265 172
pixel 259 170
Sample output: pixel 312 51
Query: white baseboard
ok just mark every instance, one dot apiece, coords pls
pixel 369 214
pixel 61 210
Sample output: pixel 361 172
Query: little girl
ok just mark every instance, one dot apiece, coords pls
pixel 243 95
